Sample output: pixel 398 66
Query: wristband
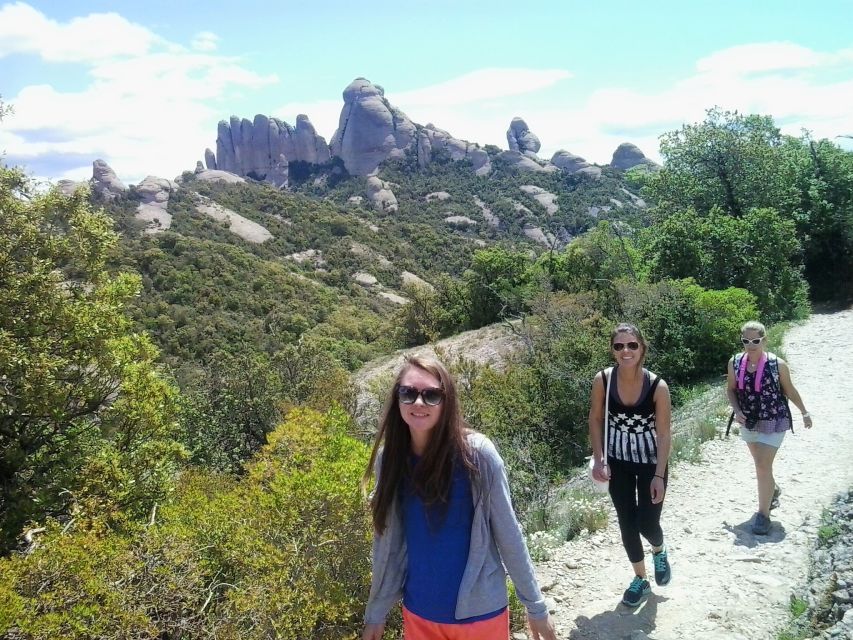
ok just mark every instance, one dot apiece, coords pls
pixel 807 415
pixel 661 477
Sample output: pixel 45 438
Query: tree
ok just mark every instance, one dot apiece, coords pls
pixel 823 175
pixel 728 161
pixel 85 419
pixel 498 282
pixel 758 252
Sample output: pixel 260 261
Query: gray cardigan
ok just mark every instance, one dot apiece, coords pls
pixel 495 537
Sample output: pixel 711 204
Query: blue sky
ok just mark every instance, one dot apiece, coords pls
pixel 143 85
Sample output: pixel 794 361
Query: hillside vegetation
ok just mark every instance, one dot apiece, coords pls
pixel 179 454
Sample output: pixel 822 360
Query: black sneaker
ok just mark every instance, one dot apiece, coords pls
pixel 635 593
pixel 663 572
pixel 761 524
pixel 774 501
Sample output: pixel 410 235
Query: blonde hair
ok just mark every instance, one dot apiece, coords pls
pixel 754 325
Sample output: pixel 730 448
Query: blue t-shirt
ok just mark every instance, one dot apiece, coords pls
pixel 437 544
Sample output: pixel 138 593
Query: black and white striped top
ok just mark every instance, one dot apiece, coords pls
pixel 632 434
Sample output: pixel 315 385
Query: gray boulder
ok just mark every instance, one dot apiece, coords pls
pixel 432 139
pixel 628 155
pixel 568 162
pixel 263 148
pixel 68 187
pixel 370 129
pixel 521 138
pixel 380 195
pixel 154 193
pixel 105 182
pixel 516 161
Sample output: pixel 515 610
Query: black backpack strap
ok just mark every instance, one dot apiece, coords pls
pixel 729 425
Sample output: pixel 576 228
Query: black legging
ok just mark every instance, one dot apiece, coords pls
pixel 630 490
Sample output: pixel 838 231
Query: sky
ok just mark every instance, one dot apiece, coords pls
pixel 143 85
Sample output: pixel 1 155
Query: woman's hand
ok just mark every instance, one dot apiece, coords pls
pixel 807 422
pixel 740 417
pixel 373 631
pixel 541 628
pixel 600 471
pixel 658 490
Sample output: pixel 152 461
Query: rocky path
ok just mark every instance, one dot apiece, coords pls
pixel 727 583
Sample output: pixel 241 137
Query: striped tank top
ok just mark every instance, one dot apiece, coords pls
pixel 632 434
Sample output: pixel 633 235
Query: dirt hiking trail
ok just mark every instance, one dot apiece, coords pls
pixel 727 583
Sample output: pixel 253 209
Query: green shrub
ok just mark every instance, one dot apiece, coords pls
pixel 283 552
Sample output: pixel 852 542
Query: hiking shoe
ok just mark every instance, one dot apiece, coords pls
pixel 635 593
pixel 774 501
pixel 761 524
pixel 663 572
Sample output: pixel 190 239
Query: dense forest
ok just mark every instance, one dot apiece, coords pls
pixel 179 454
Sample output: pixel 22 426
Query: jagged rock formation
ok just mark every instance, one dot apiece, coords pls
pixel 105 182
pixel 628 155
pixel 380 195
pixel 516 161
pixel 68 187
pixel 437 195
pixel 520 138
pixel 370 129
pixel 431 138
pixel 154 193
pixel 574 165
pixel 263 149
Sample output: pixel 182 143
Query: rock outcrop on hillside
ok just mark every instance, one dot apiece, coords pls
pixel 432 139
pixel 263 149
pixel 380 195
pixel 370 129
pixel 628 155
pixel 520 138
pixel 105 182
pixel 522 162
pixel 154 193
pixel 572 164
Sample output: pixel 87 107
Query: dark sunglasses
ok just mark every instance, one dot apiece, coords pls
pixel 751 341
pixel 409 395
pixel 632 346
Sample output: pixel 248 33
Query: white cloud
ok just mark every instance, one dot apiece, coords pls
pixel 205 41
pixel 99 36
pixel 479 86
pixel 146 110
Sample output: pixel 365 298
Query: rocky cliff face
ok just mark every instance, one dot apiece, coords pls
pixel 370 129
pixel 263 149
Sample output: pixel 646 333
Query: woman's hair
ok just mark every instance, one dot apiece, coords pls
pixel 624 327
pixel 433 475
pixel 754 325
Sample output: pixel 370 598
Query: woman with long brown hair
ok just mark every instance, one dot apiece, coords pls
pixel 444 527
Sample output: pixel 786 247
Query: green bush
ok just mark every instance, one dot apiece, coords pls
pixel 284 552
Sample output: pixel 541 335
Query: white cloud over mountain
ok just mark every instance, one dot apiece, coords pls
pixel 150 106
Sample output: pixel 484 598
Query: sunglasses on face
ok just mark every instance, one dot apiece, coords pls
pixel 751 341
pixel 409 395
pixel 632 346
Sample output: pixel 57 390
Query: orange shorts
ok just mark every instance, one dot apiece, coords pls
pixel 416 628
